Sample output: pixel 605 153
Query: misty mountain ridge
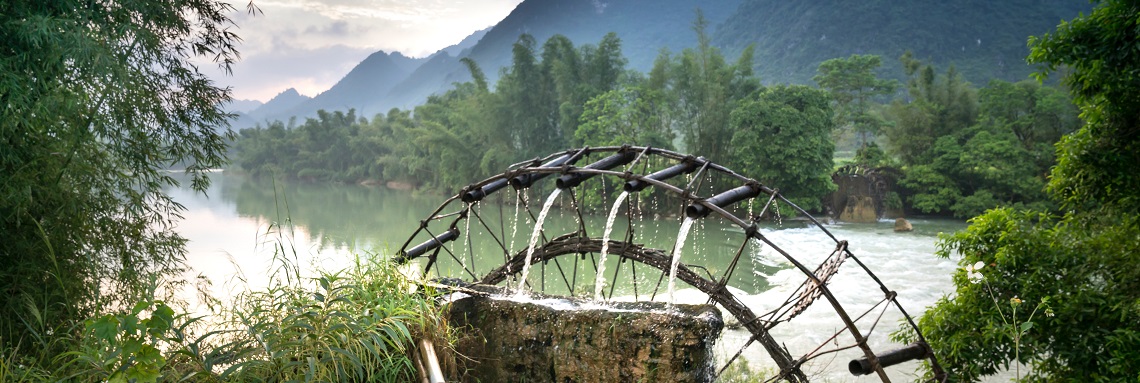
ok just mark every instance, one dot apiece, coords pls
pixel 281 103
pixel 242 106
pixel 983 39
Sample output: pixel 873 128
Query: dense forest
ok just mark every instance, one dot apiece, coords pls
pixel 960 150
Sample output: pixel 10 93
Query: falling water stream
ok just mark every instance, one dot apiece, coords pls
pixel 600 279
pixel 681 236
pixel 534 237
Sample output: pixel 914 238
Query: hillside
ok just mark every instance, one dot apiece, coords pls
pixel 243 106
pixel 644 26
pixel 278 105
pixel 983 39
pixel 384 81
pixel 366 83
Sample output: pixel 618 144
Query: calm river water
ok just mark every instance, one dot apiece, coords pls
pixel 236 232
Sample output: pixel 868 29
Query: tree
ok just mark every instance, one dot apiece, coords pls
pixel 782 138
pixel 937 106
pixel 1098 164
pixel 98 98
pixel 1081 266
pixel 706 89
pixel 1003 159
pixel 625 116
pixel 852 84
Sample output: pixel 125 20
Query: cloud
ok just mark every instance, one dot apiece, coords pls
pixel 310 44
pixel 337 29
pixel 309 70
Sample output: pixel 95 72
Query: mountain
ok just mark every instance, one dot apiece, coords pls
pixel 459 50
pixel 436 76
pixel 362 87
pixel 277 106
pixel 243 106
pixel 645 27
pixel 984 39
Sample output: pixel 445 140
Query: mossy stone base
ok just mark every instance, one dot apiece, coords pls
pixel 558 340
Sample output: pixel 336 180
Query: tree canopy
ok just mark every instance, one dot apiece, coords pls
pixel 783 139
pixel 966 150
pixel 1076 270
pixel 853 84
pixel 98 99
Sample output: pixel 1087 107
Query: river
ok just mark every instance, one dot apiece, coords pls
pixel 240 229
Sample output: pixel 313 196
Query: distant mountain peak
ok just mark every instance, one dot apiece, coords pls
pixel 280 103
pixel 286 94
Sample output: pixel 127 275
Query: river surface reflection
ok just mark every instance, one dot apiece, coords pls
pixel 240 229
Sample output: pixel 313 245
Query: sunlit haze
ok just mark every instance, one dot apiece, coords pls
pixel 310 44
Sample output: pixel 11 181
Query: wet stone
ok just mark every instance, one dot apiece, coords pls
pixel 545 339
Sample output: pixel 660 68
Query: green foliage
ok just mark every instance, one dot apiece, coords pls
pixel 1084 268
pixel 628 115
pixel 354 325
pixel 782 138
pixel 535 109
pixel 937 106
pixel 872 156
pixel 127 347
pixel 97 99
pixel 853 84
pixel 966 151
pixel 705 89
pixel 1098 164
pixel 1084 262
pixel 359 324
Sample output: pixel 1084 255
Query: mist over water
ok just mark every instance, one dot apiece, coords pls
pixel 233 241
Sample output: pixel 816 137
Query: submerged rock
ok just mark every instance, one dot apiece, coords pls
pixel 560 340
pixel 902 225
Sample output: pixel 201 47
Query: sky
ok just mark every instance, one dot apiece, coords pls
pixel 310 44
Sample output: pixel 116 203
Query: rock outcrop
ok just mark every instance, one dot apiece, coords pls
pixel 902 225
pixel 859 209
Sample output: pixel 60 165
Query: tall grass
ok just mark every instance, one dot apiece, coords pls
pixel 357 324
pixel 353 325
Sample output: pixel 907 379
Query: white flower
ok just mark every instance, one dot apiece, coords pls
pixel 973 273
pixel 50 332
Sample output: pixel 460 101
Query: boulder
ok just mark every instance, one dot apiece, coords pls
pixel 902 225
